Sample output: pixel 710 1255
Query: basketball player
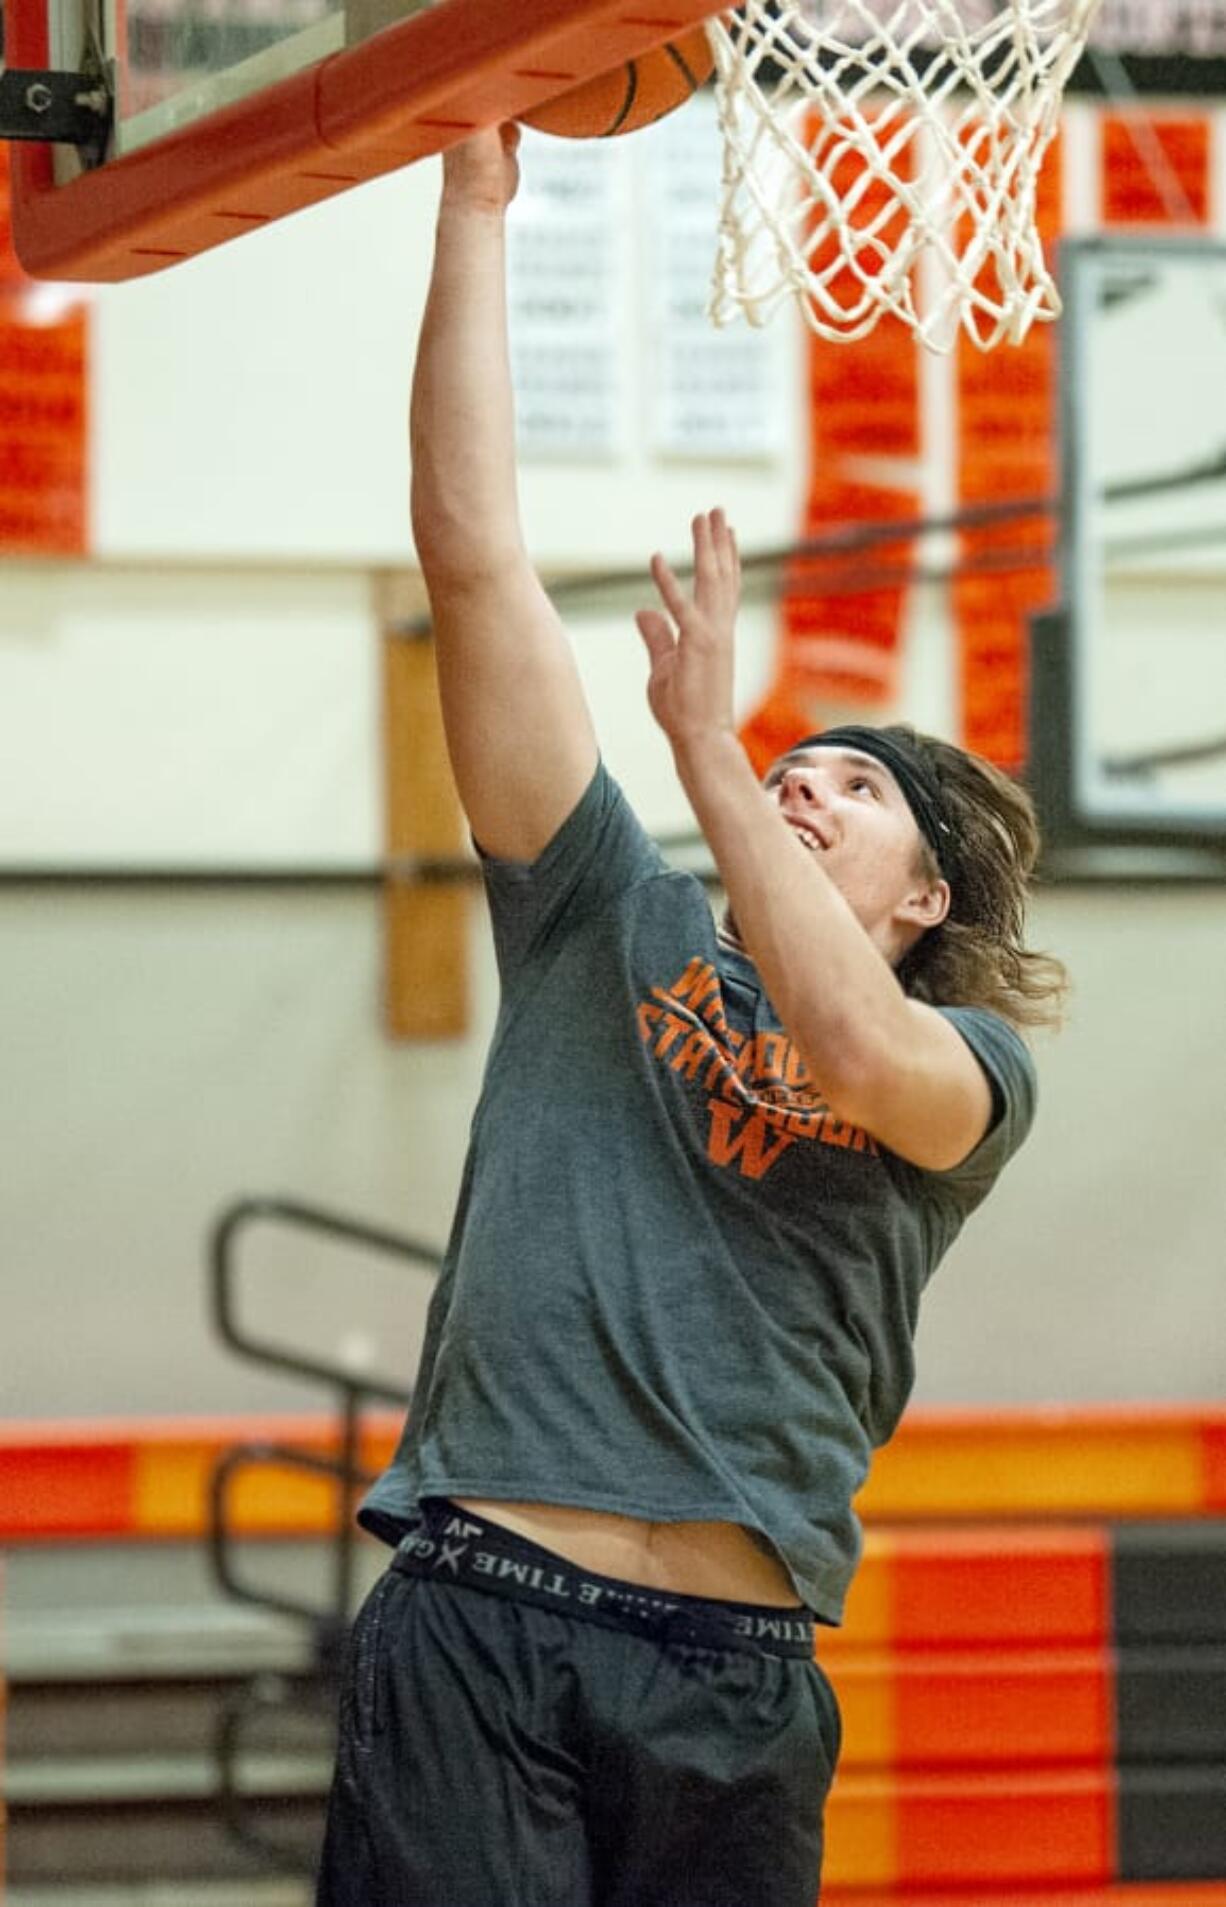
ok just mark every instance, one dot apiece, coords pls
pixel 709 1175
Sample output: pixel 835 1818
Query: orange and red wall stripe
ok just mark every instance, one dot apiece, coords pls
pixel 133 1478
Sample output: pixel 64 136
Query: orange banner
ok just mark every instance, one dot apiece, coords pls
pixel 840 632
pixel 1006 402
pixel 43 409
pixel 1155 168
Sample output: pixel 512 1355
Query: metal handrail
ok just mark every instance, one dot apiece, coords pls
pixel 328 1626
pixel 314 1218
pixel 258 1696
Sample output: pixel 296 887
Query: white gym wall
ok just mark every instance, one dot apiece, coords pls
pixel 204 694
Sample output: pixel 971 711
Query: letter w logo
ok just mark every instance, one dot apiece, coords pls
pixel 752 1148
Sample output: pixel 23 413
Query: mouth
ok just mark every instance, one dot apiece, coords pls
pixel 808 834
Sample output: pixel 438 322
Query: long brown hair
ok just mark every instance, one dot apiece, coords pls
pixel 978 956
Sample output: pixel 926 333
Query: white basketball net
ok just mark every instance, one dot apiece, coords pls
pixel 882 156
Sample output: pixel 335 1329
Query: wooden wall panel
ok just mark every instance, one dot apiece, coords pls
pixel 426 985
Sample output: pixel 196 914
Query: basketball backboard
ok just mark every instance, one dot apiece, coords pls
pixel 228 114
pixel 1156 48
pixel 1129 729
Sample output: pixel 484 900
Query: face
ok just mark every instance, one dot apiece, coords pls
pixel 850 813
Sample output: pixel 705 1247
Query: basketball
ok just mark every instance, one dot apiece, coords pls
pixel 630 96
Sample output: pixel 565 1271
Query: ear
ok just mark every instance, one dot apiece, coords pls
pixel 925 907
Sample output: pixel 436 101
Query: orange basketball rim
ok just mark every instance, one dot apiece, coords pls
pixel 410 89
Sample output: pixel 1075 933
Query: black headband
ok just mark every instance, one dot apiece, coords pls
pixel 911 770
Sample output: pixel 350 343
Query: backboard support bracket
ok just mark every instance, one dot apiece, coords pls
pixel 59 109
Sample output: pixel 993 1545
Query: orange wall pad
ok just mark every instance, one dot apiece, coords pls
pixel 1002 1586
pixel 1014 1827
pixel 941 1710
pixel 956 1586
pixel 1172 1894
pixel 150 1478
pixel 66 1488
pixel 861 1833
pixel 982 1831
pixel 1157 1462
pixel 1215 1463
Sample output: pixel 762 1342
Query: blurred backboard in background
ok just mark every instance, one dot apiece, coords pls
pixel 1129 743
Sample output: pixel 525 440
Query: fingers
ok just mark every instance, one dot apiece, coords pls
pixel 656 632
pixel 715 546
pixel 717 574
pixel 730 555
pixel 671 593
pixel 691 638
pixel 703 534
pixel 723 544
pixel 715 552
pixel 483 169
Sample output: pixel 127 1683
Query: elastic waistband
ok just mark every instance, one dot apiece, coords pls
pixel 452 1546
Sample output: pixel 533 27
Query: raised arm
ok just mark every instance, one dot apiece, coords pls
pixel 885 1062
pixel 519 733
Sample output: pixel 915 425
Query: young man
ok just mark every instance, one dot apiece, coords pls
pixel 709 1176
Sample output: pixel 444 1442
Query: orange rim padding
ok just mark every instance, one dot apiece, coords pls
pixel 409 91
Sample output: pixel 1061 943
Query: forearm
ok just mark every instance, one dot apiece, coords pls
pixel 884 1062
pixel 462 420
pixel 518 730
pixel 829 984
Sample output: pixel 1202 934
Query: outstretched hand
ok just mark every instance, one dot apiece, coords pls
pixel 691 641
pixel 483 172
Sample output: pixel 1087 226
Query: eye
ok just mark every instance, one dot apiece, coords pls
pixel 864 781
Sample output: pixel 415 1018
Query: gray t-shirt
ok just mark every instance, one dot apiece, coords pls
pixel 677 1286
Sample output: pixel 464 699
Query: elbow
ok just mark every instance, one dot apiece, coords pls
pixel 853 1070
pixel 458 546
pixel 438 534
pixel 853 1096
pixel 448 555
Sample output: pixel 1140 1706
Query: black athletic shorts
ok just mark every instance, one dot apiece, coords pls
pixel 516 1732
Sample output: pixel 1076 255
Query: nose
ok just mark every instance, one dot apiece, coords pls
pixel 804 783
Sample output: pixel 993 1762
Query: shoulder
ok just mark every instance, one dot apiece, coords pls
pixel 601 820
pixel 1008 1065
pixel 598 855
